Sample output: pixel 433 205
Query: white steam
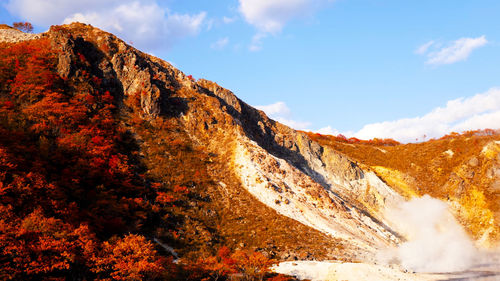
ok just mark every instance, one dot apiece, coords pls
pixel 436 242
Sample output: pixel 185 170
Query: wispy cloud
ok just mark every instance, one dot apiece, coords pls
pixel 480 111
pixel 270 16
pixel 256 44
pixel 452 52
pixel 328 130
pixel 280 112
pixel 297 125
pixel 147 24
pixel 220 44
pixel 228 20
pixel 276 109
pixel 423 48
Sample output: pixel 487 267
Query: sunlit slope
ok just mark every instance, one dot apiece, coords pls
pixel 103 147
pixel 461 169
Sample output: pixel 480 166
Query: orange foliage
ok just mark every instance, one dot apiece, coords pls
pixel 253 265
pixel 455 168
pixel 129 258
pixel 67 181
pixel 23 26
pixel 181 189
pixel 353 140
pixel 471 133
pixel 72 179
pixel 250 265
pixel 164 198
pixel 219 266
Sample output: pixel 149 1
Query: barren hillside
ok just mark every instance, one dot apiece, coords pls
pixel 462 169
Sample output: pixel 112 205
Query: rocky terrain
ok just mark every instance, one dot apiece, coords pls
pixel 243 180
pixel 12 35
pixel 462 170
pixel 323 185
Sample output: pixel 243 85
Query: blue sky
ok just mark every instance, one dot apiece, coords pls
pixel 344 66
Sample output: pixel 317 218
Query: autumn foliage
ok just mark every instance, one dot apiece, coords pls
pixel 78 201
pixel 240 265
pixel 130 258
pixel 458 167
pixel 353 140
pixel 23 26
pixel 68 190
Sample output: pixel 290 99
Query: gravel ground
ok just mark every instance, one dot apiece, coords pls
pixel 486 268
pixel 14 35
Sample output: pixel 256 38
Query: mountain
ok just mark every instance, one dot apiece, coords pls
pixel 462 169
pixel 115 164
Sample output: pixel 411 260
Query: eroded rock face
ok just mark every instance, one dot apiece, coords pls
pixel 125 70
pixel 281 167
pixel 296 176
pixel 294 194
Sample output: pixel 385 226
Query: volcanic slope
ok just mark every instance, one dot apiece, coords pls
pixel 103 142
pixel 460 169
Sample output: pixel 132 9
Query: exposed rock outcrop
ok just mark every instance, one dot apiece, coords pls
pixel 12 35
pixel 283 168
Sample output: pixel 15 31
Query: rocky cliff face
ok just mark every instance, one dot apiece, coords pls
pixel 461 170
pixel 150 155
pixel 283 169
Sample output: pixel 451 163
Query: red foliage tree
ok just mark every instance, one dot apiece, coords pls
pixel 250 265
pixel 23 26
pixel 129 258
pixel 219 266
pixel 253 265
pixel 341 137
pixel 66 183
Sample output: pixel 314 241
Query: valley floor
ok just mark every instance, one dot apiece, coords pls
pixel 485 269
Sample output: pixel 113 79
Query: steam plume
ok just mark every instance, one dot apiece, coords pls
pixel 436 242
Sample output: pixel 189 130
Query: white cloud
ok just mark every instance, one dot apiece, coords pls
pixel 256 44
pixel 423 48
pixel 271 15
pixel 328 130
pixel 480 111
pixel 280 112
pixel 49 12
pixel 297 125
pixel 276 109
pixel 210 23
pixel 477 112
pixel 220 44
pixel 455 51
pixel 228 20
pixel 145 23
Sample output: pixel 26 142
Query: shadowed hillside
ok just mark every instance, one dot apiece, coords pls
pixel 107 151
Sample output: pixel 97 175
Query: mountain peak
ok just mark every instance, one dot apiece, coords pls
pixel 129 150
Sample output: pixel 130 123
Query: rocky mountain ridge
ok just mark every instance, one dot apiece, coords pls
pixel 242 180
pixel 460 169
pixel 329 182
